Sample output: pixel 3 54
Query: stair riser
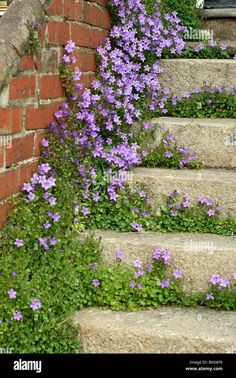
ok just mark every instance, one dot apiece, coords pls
pixel 164 330
pixel 222 28
pixel 196 260
pixel 215 145
pixel 183 75
pixel 222 192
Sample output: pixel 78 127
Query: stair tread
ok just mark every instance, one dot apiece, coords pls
pixel 168 329
pixel 169 239
pixel 207 174
pixel 211 122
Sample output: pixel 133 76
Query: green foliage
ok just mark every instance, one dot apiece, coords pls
pixel 207 52
pixel 166 153
pixel 205 105
pixel 33 39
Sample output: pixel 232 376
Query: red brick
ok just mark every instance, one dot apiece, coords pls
pixel 87 79
pixel 91 14
pixel 47 60
pixel 51 87
pixel 102 2
pixel 105 19
pixel 81 35
pixel 2 147
pixel 10 120
pixel 98 37
pixel 41 117
pixel 16 119
pixel 22 87
pixel 5 121
pixel 37 143
pixel 55 8
pixel 58 33
pixel 9 183
pixel 26 63
pixel 73 10
pixel 21 149
pixel 86 61
pixel 26 172
pixel 42 33
pixel 4 209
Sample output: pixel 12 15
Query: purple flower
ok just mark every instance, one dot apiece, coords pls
pixel 35 304
pixel 17 315
pixel 70 47
pixel 201 199
pixel 170 137
pixel 173 213
pixel 177 274
pixel 137 263
pixel 140 286
pixel 209 202
pixel 165 283
pixel 44 168
pixel 132 284
pixel 66 58
pixel 136 210
pixel 234 57
pixel 45 143
pixel 53 241
pixel 166 256
pixel 47 225
pixel 211 212
pixel 85 211
pixel 136 226
pixel 209 297
pixel 56 217
pixel 168 154
pixel 142 194
pixel 234 275
pixel 95 283
pixel 211 43
pixel 120 255
pixel 224 282
pixel 156 253
pixel 19 243
pixel 215 278
pixel 96 197
pixel 147 126
pixel 139 273
pixel 12 293
pixel 14 274
pixel 93 266
pixel 223 46
pixel 150 267
pixel 43 243
pixel 27 187
pixel 52 201
pixel 199 47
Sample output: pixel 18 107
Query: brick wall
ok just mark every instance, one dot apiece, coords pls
pixel 30 88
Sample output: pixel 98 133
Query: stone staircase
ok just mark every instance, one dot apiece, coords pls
pixel 171 329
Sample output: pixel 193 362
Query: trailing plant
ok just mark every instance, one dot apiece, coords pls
pixel 218 102
pixel 204 50
pixel 33 39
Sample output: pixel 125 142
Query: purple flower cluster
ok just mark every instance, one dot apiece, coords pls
pixel 161 255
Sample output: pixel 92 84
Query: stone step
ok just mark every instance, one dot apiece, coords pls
pixel 183 75
pixel 198 256
pixel 230 45
pixel 213 140
pixel 217 184
pixel 222 22
pixel 164 330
